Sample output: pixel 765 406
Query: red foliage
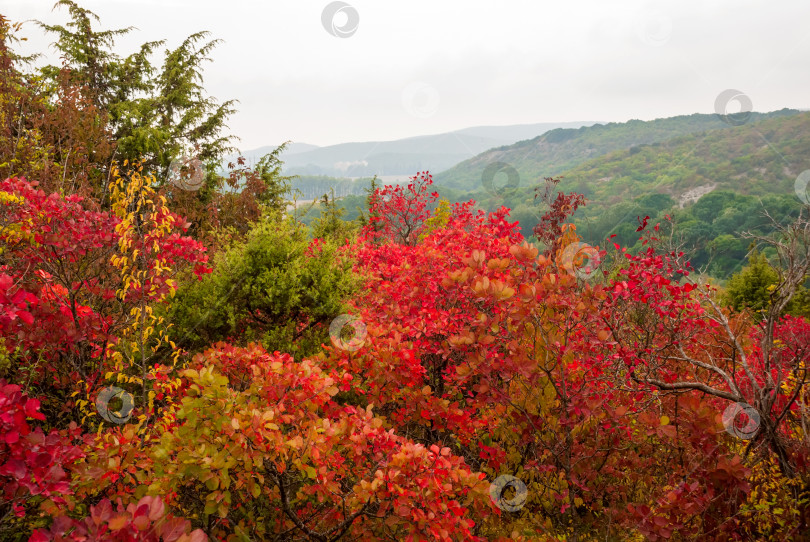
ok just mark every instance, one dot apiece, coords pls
pixel 145 521
pixel 398 212
pixel 32 463
pixel 482 357
pixel 561 207
pixel 59 284
pixel 460 321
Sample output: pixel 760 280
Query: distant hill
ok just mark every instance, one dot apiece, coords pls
pixel 715 184
pixel 758 158
pixel 403 156
pixel 562 149
pixel 310 187
pixel 715 180
pixel 254 155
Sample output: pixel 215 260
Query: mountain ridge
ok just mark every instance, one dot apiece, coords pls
pixel 562 149
pixel 434 152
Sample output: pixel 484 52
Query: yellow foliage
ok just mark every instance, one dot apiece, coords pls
pixel 773 509
pixel 438 220
pixel 141 212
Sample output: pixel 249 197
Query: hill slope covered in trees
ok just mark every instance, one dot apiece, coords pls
pixel 560 150
pixel 737 172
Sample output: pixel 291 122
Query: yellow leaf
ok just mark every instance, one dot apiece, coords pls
pixel 664 420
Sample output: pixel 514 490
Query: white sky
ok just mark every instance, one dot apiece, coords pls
pixel 429 66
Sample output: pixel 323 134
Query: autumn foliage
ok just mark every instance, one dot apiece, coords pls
pixel 189 365
pixel 481 357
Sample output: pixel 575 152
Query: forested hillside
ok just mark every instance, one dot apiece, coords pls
pixel 757 158
pixel 561 150
pixel 752 168
pixel 713 184
pixel 184 357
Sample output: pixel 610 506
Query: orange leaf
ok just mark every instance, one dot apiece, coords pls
pixel 118 522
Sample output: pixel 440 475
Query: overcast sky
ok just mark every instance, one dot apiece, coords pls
pixel 429 66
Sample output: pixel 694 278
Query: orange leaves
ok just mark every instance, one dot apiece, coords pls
pixel 326 448
pixel 527 291
pixel 296 442
pixel 524 251
pixel 481 286
pixel 500 291
pixel 119 522
pixel 486 339
pixel 458 340
pixel 496 288
pixel 145 520
pixel 476 258
pixel 457 276
pixel 499 264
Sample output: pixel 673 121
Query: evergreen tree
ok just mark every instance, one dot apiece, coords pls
pixel 753 289
pixel 371 197
pixel 330 223
pixel 155 115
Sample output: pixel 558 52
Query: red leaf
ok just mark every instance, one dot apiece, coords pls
pixel 26 317
pixel 14 468
pixel 172 529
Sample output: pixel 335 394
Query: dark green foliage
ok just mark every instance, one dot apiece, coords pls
pixel 365 215
pixel 276 191
pixel 329 225
pixel 753 289
pixel 155 114
pixel 88 54
pixel 273 287
pixel 707 208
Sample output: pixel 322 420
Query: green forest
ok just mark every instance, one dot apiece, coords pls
pixel 744 170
